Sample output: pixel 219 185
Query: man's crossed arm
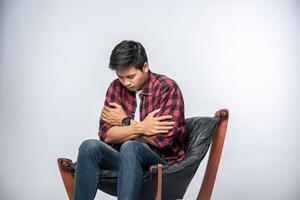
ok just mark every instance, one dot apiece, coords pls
pixel 145 129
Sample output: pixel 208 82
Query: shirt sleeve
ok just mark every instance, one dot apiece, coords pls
pixel 111 96
pixel 171 103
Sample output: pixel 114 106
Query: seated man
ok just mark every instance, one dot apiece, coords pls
pixel 142 124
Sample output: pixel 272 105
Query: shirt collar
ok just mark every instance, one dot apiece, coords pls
pixel 148 87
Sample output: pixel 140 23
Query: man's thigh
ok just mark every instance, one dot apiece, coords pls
pixel 110 157
pixel 106 156
pixel 137 151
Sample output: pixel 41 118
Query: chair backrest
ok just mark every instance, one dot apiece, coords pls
pixel 199 133
pixel 198 137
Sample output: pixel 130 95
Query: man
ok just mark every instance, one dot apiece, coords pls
pixel 142 124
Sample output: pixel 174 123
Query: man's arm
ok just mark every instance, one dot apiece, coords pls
pixel 150 126
pixel 110 130
pixel 119 134
pixel 171 103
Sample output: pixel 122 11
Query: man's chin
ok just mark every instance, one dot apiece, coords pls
pixel 133 89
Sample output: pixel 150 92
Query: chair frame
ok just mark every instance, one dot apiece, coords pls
pixel 211 170
pixel 214 156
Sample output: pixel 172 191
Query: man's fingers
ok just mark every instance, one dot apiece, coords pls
pixel 106 108
pixel 165 123
pixel 105 112
pixel 104 119
pixel 161 131
pixel 115 105
pixel 154 112
pixel 164 127
pixel 164 117
pixel 105 115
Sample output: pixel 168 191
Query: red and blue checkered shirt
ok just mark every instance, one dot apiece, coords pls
pixel 159 91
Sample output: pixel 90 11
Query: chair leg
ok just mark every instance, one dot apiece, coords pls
pixel 67 175
pixel 159 182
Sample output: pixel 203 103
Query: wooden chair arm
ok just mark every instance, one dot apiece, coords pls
pixel 67 175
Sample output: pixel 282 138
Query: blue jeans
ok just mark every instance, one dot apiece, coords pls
pixel 131 161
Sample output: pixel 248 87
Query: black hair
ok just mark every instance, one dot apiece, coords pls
pixel 126 54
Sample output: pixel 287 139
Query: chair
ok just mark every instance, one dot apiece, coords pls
pixel 171 181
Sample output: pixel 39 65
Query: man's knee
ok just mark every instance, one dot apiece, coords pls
pixel 90 146
pixel 131 149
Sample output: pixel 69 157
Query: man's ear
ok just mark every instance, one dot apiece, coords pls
pixel 146 67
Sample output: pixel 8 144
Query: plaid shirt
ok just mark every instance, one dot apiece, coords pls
pixel 158 92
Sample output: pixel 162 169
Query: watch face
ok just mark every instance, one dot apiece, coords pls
pixel 126 121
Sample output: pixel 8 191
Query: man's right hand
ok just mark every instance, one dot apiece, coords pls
pixel 152 125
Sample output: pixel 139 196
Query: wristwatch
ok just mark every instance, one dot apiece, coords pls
pixel 126 121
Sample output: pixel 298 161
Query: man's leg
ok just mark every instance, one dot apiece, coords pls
pixel 93 155
pixel 134 159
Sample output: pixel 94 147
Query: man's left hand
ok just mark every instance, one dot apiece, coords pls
pixel 113 115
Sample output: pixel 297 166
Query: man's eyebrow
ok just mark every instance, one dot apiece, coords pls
pixel 130 75
pixel 126 76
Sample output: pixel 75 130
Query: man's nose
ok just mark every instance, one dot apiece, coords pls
pixel 126 82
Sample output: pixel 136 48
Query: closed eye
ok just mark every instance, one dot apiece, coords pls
pixel 131 76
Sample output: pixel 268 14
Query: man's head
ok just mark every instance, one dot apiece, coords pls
pixel 130 62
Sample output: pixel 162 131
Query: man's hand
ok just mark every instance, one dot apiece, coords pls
pixel 152 125
pixel 114 115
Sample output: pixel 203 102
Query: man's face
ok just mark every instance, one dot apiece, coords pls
pixel 133 79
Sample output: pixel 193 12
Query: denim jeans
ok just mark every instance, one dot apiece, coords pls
pixel 131 161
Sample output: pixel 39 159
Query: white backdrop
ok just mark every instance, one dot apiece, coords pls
pixel 242 55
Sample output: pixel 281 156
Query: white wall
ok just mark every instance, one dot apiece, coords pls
pixel 243 55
